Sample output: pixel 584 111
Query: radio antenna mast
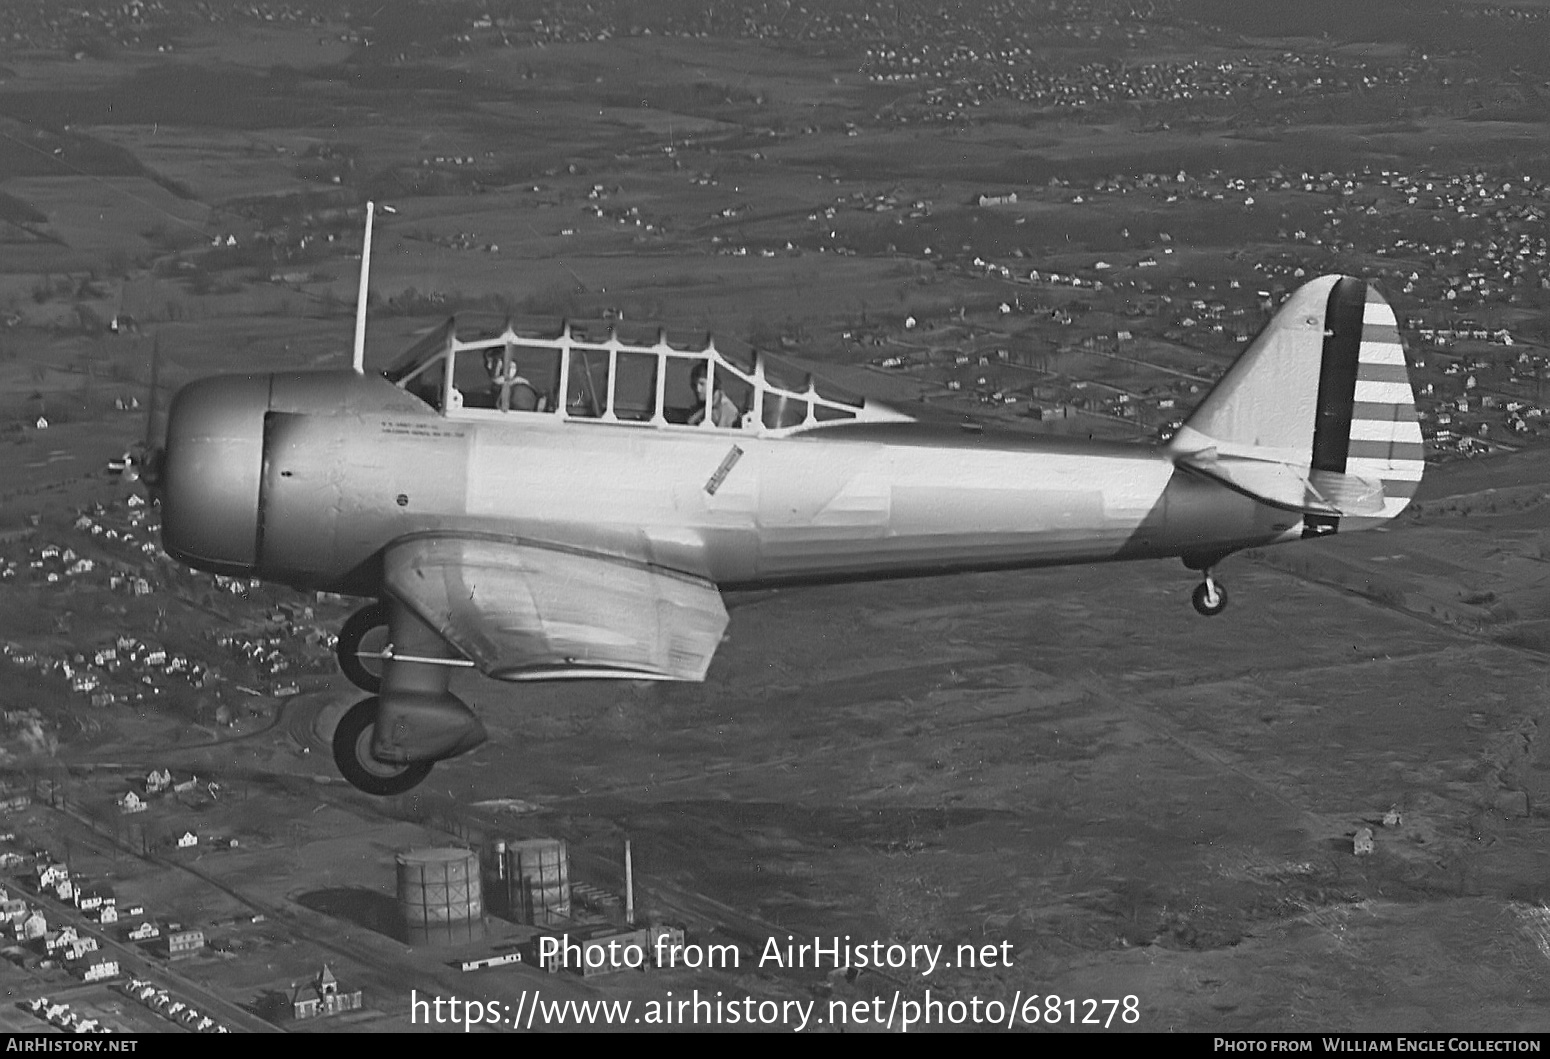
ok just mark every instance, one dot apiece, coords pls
pixel 360 298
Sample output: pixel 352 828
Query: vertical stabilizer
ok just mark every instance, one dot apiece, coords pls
pixel 1318 415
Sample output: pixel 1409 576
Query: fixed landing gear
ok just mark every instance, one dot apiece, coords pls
pixel 352 754
pixel 1209 597
pixel 362 640
pixel 386 744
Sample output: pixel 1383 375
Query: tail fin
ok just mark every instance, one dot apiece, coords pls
pixel 1318 415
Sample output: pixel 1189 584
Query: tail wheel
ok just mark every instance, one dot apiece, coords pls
pixel 1209 598
pixel 362 640
pixel 352 753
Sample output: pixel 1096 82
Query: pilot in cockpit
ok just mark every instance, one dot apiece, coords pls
pixel 723 412
pixel 512 392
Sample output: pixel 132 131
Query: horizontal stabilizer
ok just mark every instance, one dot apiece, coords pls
pixel 1346 493
pixel 1284 486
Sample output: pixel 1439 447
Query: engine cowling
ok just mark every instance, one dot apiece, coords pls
pixel 210 471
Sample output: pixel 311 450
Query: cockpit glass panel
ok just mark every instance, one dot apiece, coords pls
pixel 635 388
pixel 784 376
pixel 588 383
pixel 427 383
pixel 743 362
pixel 417 355
pixel 649 384
pixel 472 380
pixel 832 392
pixel 534 379
pixel 680 402
pixel 782 411
pixel 734 400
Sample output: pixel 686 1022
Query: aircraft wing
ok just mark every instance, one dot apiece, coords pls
pixel 528 610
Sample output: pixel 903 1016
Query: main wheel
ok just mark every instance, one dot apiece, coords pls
pixel 1209 598
pixel 365 633
pixel 352 753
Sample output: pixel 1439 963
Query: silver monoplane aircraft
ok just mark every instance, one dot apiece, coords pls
pixel 552 508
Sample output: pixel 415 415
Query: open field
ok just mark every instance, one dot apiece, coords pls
pixel 958 761
pixel 1132 800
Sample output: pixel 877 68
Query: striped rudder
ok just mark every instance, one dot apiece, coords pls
pixel 1385 433
pixel 1366 428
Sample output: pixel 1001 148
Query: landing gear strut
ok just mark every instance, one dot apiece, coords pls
pixel 362 640
pixel 1209 598
pixel 386 744
pixel 352 753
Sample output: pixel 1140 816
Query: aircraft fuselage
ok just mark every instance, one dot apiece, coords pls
pixel 304 479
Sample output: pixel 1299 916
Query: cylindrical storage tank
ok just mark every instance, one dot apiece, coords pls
pixel 439 896
pixel 538 873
